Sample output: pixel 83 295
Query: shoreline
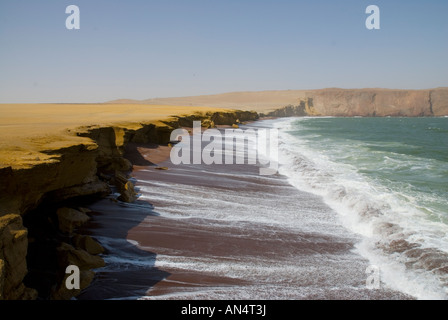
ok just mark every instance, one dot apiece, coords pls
pixel 193 239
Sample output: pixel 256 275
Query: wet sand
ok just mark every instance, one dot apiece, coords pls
pixel 188 247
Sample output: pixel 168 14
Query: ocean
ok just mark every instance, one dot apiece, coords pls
pixel 387 178
pixel 352 196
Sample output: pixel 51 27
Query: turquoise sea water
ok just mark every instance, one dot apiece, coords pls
pixel 388 180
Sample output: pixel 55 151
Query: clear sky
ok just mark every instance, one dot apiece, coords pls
pixel 143 49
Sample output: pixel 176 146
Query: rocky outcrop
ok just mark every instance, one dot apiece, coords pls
pixel 68 255
pixel 22 190
pixel 209 119
pixel 87 243
pixel 62 293
pixel 55 242
pixel 223 118
pixel 69 219
pixel 81 170
pixel 13 248
pixel 288 111
pixel 304 108
pixel 125 188
pixel 95 187
pixel 85 261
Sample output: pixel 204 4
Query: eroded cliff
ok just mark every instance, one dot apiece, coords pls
pixel 39 193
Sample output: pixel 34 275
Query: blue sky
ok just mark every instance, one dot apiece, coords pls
pixel 144 49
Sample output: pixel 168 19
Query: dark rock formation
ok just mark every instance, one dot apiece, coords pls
pixel 68 255
pixel 305 108
pixel 125 188
pixel 13 249
pixel 69 219
pixel 88 244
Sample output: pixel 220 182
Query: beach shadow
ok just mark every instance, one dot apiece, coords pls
pixel 132 153
pixel 130 271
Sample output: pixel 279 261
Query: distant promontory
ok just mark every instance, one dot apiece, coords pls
pixel 325 102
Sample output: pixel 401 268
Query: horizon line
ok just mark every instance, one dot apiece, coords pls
pixel 229 92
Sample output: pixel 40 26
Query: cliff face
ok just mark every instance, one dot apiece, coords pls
pixel 439 101
pixel 379 102
pixel 367 103
pixel 22 190
pixel 79 171
pixel 304 108
pixel 13 248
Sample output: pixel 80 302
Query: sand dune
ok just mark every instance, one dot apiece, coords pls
pixel 260 101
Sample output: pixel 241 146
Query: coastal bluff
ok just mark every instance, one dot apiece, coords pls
pixel 52 158
pixel 379 102
pixel 324 102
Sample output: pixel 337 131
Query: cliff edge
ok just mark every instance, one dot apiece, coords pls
pixel 42 175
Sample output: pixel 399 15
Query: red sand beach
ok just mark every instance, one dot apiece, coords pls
pixel 223 232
